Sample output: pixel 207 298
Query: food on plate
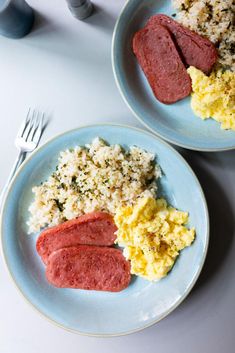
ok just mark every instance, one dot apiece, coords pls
pixel 96 177
pixel 195 50
pixel 214 96
pixel 204 41
pixel 163 48
pixel 96 228
pixel 87 183
pixel 78 250
pixel 89 267
pixel 161 63
pixel 152 234
pixel 213 19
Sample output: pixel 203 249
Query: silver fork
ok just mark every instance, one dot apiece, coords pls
pixel 26 141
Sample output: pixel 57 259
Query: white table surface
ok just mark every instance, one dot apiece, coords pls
pixel 64 68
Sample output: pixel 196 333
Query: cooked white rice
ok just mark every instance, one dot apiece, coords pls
pixel 214 19
pixel 95 177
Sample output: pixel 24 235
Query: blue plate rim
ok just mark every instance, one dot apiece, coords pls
pixel 125 98
pixel 17 285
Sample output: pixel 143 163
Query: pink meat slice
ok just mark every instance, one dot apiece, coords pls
pixel 159 59
pixel 89 267
pixel 96 228
pixel 196 50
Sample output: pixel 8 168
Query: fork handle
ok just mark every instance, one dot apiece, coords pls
pixel 16 165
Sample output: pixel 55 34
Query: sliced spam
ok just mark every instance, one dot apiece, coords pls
pixel 195 49
pixel 159 59
pixel 89 267
pixel 96 228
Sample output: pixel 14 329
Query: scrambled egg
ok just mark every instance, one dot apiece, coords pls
pixel 152 234
pixel 214 96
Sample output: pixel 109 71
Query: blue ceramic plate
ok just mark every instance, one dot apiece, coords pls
pixel 175 123
pixel 101 313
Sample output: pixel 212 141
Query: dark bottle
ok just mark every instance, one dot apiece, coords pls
pixel 16 18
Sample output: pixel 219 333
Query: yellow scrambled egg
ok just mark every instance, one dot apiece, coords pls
pixel 152 234
pixel 214 96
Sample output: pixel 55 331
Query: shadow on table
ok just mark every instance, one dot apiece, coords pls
pixel 42 25
pixel 222 218
pixel 222 158
pixel 101 18
pixel 60 41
